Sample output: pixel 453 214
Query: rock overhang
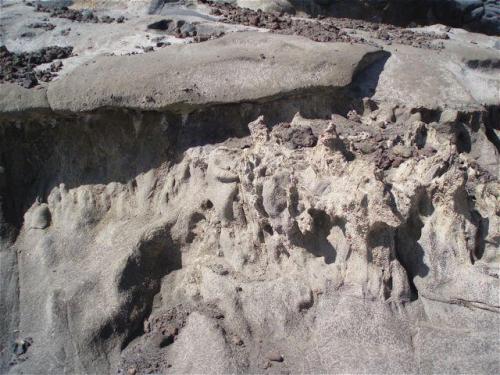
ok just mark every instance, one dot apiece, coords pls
pixel 237 68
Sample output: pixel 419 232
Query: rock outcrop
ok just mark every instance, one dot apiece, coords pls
pixel 258 203
pixel 475 15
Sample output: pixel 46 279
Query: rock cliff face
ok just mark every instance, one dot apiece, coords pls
pixel 259 203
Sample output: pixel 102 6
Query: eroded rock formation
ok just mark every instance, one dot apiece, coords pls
pixel 259 203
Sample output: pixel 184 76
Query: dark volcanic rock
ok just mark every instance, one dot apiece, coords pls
pixel 476 15
pixel 42 25
pixel 78 15
pixel 20 67
pixel 163 25
pixel 326 29
pixel 294 137
pixel 180 28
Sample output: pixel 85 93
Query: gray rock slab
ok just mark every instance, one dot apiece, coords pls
pixel 238 67
pixel 14 98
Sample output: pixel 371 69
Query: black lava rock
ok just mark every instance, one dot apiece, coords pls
pixel 20 67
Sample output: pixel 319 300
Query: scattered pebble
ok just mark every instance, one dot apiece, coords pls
pixel 237 340
pixel 219 269
pixel 275 356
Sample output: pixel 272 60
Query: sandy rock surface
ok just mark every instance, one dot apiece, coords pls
pixel 247 202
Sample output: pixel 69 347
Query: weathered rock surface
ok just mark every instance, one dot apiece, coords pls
pixel 134 262
pixel 238 67
pixel 259 203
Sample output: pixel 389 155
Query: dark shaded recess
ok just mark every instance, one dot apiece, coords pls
pixel 268 229
pixel 365 80
pixel 163 25
pixel 46 151
pixel 492 123
pixel 463 139
pixel 381 235
pixel 166 341
pixel 141 277
pixel 427 115
pixel 397 12
pixel 193 221
pixel 407 249
pixel 315 241
pixel 463 203
pixel 483 226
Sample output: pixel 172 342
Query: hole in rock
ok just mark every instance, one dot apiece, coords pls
pixel 463 141
pixel 483 225
pixel 268 229
pixel 316 241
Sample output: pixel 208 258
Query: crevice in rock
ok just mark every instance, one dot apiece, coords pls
pixel 380 245
pixel 408 251
pixel 428 115
pixel 268 229
pixel 492 124
pixel 462 139
pixel 154 258
pixel 193 221
pixel 315 240
pixel 482 225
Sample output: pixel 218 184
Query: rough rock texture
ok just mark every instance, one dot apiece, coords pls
pixel 357 240
pixel 327 29
pixel 475 15
pixel 259 203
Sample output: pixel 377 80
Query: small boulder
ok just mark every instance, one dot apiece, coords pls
pixel 402 151
pixel 449 116
pixel 41 217
pixel 21 346
pixel 163 25
pixel 275 356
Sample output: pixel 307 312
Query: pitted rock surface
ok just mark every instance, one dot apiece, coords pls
pixel 257 203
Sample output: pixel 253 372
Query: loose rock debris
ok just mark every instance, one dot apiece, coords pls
pixel 20 67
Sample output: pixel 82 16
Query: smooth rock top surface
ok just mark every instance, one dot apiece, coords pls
pixel 14 98
pixel 238 67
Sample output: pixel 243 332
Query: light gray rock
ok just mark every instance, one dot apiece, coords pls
pixel 182 234
pixel 225 70
pixel 41 217
pixel 14 98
